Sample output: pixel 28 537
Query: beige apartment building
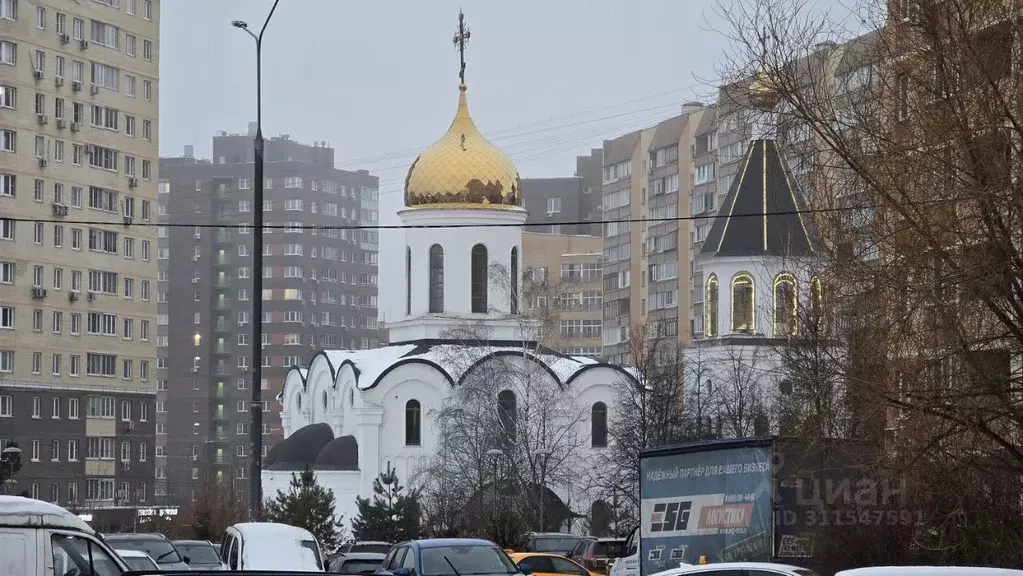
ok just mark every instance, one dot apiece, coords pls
pixel 646 261
pixel 563 288
pixel 78 265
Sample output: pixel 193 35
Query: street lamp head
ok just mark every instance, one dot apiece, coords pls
pixel 239 24
pixel 11 450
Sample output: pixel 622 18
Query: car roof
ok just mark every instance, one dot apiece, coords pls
pixel 930 571
pixel 738 566
pixel 439 542
pixel 132 553
pixel 271 530
pixel 361 542
pixel 554 535
pixel 135 536
pixel 364 556
pixel 21 511
pixel 545 554
pixel 193 542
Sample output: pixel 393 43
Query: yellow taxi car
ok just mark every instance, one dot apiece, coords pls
pixel 541 564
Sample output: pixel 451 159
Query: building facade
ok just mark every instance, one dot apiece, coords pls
pixel 647 176
pixel 319 289
pixel 562 288
pixel 79 112
pixel 552 201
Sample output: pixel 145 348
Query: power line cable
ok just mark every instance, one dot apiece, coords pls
pixel 445 226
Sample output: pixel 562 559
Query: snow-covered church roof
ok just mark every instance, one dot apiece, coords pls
pixel 452 359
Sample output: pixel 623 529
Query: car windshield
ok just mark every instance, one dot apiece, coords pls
pixel 804 572
pixel 158 549
pixel 199 553
pixel 139 563
pixel 554 545
pixel 610 548
pixel 465 561
pixel 373 548
pixel 360 566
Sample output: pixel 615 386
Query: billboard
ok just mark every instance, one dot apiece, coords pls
pixel 713 502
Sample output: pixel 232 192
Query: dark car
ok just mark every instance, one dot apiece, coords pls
pixel 355 563
pixel 159 548
pixel 202 554
pixel 373 546
pixel 552 542
pixel 447 557
pixel 594 553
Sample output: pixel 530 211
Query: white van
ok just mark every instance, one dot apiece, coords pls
pixel 41 539
pixel 270 546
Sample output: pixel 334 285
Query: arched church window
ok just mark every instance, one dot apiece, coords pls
pixel 711 305
pixel 324 399
pixel 436 279
pixel 479 279
pixel 786 302
pixel 514 307
pixel 743 300
pixel 816 298
pixel 506 407
pixel 413 423
pixel 408 281
pixel 598 425
pixel 298 402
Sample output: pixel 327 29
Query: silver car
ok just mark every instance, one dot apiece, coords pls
pixel 159 548
pixel 202 554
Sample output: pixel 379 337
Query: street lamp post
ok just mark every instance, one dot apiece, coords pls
pixel 543 454
pixel 256 407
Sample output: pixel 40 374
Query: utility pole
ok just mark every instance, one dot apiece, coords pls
pixel 256 407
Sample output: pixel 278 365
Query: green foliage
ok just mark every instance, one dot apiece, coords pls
pixel 392 515
pixel 9 464
pixel 307 505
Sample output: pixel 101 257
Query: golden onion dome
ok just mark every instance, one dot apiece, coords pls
pixel 462 170
pixel 763 92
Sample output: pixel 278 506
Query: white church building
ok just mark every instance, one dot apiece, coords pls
pixel 349 413
pixel 758 264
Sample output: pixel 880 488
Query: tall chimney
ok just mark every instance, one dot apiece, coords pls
pixel 189 151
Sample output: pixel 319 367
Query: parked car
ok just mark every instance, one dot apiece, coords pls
pixel 35 531
pixel 374 546
pixel 594 553
pixel 552 542
pixel 542 564
pixel 930 571
pixel 270 546
pixel 159 548
pixel 747 569
pixel 137 559
pixel 447 557
pixel 202 553
pixel 355 563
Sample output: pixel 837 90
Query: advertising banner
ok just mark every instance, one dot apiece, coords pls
pixel 715 502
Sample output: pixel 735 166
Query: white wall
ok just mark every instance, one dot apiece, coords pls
pixel 457 244
pixel 763 272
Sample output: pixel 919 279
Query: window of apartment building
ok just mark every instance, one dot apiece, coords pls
pixel 6 406
pixel 72 450
pixel 72 406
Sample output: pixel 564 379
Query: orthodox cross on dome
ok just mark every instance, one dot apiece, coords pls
pixel 459 40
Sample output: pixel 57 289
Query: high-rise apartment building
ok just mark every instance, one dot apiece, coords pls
pixel 319 291
pixel 79 111
pixel 562 288
pixel 646 176
pixel 553 201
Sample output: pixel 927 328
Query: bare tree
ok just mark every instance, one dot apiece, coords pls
pixel 649 412
pixel 913 132
pixel 508 429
